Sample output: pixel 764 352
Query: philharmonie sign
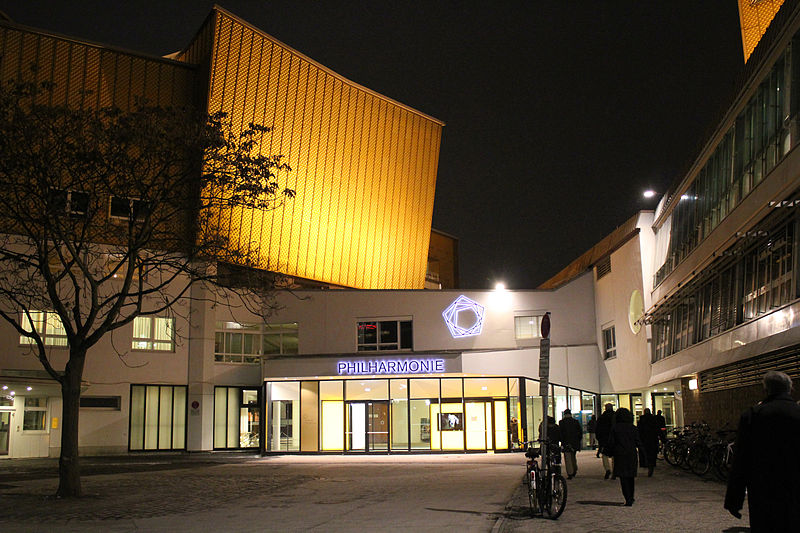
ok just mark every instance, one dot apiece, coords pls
pixel 390 366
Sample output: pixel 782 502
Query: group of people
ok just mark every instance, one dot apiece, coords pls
pixel 625 447
pixel 622 445
pixel 766 465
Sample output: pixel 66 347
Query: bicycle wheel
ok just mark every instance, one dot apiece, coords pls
pixel 533 502
pixel 681 455
pixel 556 497
pixel 718 453
pixel 699 459
pixel 670 453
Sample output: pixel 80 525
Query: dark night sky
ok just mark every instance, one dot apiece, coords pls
pixel 559 114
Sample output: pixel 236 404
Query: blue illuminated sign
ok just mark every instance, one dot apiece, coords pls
pixel 389 366
pixel 462 306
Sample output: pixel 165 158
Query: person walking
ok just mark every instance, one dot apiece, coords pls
pixel 604 424
pixel 591 426
pixel 662 426
pixel 553 431
pixel 571 437
pixel 514 432
pixel 624 444
pixel 767 464
pixel 649 433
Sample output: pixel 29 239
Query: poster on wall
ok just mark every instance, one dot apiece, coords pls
pixel 451 422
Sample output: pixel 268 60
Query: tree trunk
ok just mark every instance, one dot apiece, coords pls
pixel 69 473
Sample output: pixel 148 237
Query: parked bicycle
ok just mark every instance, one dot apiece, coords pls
pixel 547 488
pixel 695 448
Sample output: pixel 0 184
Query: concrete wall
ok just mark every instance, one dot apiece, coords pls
pixel 328 319
pixel 630 369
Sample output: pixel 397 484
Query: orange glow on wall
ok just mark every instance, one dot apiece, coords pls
pixel 364 167
pixel 754 19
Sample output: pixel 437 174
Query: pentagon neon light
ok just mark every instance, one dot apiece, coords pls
pixel 464 309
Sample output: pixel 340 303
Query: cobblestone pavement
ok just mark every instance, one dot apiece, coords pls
pixel 305 493
pixel 672 500
pixel 467 493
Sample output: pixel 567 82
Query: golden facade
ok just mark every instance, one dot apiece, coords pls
pixel 87 75
pixel 754 19
pixel 364 166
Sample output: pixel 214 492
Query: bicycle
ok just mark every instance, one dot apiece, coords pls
pixel 547 488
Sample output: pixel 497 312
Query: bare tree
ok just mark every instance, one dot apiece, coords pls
pixel 107 215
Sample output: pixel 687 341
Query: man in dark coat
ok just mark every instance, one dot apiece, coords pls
pixel 766 461
pixel 662 426
pixel 648 432
pixel 571 437
pixel 624 445
pixel 604 424
pixel 553 432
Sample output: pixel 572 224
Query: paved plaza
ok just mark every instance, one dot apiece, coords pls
pixel 235 492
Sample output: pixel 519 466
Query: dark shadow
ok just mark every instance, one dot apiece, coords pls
pixel 518 512
pixel 464 511
pixel 736 529
pixel 602 504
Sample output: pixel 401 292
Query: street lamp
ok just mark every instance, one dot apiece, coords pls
pixel 649 193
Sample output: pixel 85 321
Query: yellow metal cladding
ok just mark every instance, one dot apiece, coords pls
pixel 87 75
pixel 754 19
pixel 364 166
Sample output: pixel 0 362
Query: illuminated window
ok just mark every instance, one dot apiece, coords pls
pixel 153 333
pixel 158 417
pixel 381 335
pixel 247 343
pixel 47 324
pixel 35 414
pixel 609 343
pixel 527 327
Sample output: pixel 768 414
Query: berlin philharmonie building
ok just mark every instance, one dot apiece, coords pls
pixel 375 349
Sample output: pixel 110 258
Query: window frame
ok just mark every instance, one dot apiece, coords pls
pixel 537 328
pixel 609 351
pixel 44 335
pixel 66 207
pixel 135 213
pixel 260 332
pixel 152 340
pixel 34 409
pixel 381 345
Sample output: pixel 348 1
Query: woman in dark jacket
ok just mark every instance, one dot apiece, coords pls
pixel 624 445
pixel 648 432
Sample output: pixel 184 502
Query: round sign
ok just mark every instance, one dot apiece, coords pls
pixel 195 404
pixel 546 326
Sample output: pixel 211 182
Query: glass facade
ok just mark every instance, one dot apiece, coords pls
pixel 751 148
pixel 158 417
pixel 755 277
pixel 385 415
pixel 236 418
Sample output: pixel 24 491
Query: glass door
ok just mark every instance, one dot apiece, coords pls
pixel 5 425
pixel 368 426
pixel 476 426
pixel 378 426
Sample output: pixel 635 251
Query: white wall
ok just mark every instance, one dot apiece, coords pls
pixel 630 369
pixel 328 319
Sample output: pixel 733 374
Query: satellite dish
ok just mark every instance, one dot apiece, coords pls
pixel 636 312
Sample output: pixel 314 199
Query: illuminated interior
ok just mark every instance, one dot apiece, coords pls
pixel 393 414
